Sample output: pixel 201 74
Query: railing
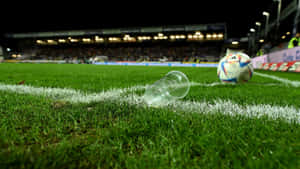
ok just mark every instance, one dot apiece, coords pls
pixel 286 55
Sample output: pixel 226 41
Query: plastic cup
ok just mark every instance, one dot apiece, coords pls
pixel 174 85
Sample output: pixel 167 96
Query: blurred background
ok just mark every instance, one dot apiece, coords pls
pixel 151 32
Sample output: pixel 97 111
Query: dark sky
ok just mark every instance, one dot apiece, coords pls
pixel 239 15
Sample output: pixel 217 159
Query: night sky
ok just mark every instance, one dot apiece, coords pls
pixel 240 15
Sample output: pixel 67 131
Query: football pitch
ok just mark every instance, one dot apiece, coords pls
pixel 91 116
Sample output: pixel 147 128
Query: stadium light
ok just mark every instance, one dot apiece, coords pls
pixel 129 39
pixel 141 38
pixel 126 37
pixel 16 55
pixel 177 36
pixel 257 23
pixel 50 41
pixel 278 15
pixel 214 36
pixel 98 40
pixel 86 40
pixel 40 42
pixel 197 36
pixel 208 36
pixel 235 42
pixel 160 37
pixel 114 39
pixel 61 40
pixel 74 40
pixel 266 13
pixel 220 35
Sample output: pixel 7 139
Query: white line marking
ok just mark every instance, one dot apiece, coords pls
pixel 285 81
pixel 227 107
pixel 228 84
pixel 71 95
pixel 208 84
pixel 126 95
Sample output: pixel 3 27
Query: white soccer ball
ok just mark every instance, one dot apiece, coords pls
pixel 235 68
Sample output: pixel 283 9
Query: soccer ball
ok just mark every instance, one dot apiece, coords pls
pixel 235 68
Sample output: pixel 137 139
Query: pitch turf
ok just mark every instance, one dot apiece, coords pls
pixel 42 132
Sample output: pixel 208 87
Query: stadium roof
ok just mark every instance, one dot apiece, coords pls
pixel 238 15
pixel 115 31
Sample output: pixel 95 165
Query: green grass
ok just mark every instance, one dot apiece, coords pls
pixel 38 132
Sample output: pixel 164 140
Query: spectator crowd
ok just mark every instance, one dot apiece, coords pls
pixel 187 53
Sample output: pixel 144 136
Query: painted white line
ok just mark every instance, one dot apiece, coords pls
pixel 71 95
pixel 126 95
pixel 232 84
pixel 112 94
pixel 285 81
pixel 227 107
pixel 208 84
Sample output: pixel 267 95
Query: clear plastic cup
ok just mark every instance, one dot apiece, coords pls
pixel 174 85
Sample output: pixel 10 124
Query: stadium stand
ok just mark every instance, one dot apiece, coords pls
pixel 181 53
pixel 183 43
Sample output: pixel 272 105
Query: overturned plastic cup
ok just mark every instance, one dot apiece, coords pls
pixel 174 85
